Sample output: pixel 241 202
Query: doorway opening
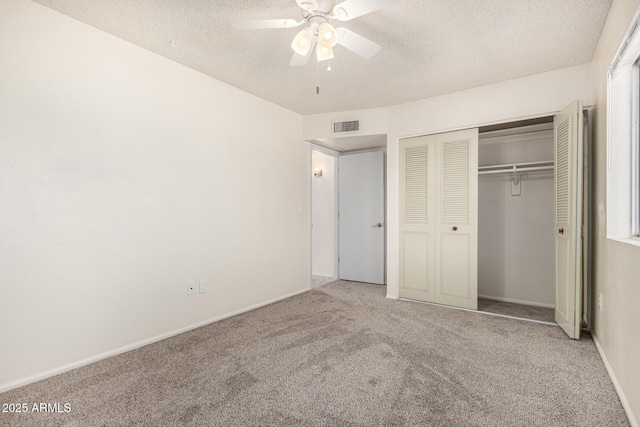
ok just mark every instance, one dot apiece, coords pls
pixel 348 199
pixel 520 212
pixel 516 256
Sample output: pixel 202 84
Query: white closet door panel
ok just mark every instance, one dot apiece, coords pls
pixel 438 220
pixel 455 272
pixel 457 227
pixel 417 229
pixel 563 268
pixel 568 151
pixel 455 181
pixel 416 184
pixel 417 265
pixel 562 171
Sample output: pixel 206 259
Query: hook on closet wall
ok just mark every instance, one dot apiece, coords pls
pixel 516 169
pixel 515 184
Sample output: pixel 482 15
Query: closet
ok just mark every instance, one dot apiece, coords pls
pixel 503 216
pixel 516 259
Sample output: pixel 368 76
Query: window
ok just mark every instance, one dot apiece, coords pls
pixel 623 139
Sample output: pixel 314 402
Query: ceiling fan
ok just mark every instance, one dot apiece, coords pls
pixel 318 33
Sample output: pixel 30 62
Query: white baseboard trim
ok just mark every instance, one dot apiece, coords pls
pixel 517 301
pixel 89 360
pixel 324 276
pixel 616 384
pixel 392 297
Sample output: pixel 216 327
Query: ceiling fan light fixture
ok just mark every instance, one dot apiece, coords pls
pixel 302 42
pixel 324 52
pixel 327 35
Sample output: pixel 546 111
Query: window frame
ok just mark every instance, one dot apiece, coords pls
pixel 635 151
pixel 623 139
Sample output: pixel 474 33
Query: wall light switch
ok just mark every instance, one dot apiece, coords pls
pixel 203 286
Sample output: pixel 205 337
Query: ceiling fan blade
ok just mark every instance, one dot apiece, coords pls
pixel 299 60
pixel 309 5
pixel 357 44
pixel 350 9
pixel 262 24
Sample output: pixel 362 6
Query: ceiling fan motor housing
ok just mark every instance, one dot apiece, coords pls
pixel 325 6
pixel 307 5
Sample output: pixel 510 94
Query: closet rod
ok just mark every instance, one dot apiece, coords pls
pixel 516 170
pixel 511 165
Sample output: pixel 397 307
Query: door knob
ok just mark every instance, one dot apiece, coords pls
pixel 561 231
pixel 379 225
pixel 455 228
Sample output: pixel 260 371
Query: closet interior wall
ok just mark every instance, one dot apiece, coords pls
pixel 515 234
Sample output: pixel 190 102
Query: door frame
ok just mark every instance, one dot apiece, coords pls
pixel 314 147
pixel 394 242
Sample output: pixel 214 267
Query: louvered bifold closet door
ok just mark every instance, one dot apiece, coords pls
pixel 456 261
pixel 417 218
pixel 568 140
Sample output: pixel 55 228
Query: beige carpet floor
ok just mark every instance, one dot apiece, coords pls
pixel 341 355
pixel 542 314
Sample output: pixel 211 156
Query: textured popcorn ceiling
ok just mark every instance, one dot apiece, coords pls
pixel 429 47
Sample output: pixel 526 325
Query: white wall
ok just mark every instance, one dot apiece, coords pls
pixel 323 216
pixel 516 243
pixel 123 176
pixel 617 265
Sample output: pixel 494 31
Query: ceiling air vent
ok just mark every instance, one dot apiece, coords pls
pixel 351 126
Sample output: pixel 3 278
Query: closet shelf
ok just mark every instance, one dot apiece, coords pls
pixel 516 167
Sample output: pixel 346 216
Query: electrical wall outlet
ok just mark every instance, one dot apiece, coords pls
pixel 191 288
pixel 600 302
pixel 203 286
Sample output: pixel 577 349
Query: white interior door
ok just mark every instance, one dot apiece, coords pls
pixel 568 135
pixel 361 217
